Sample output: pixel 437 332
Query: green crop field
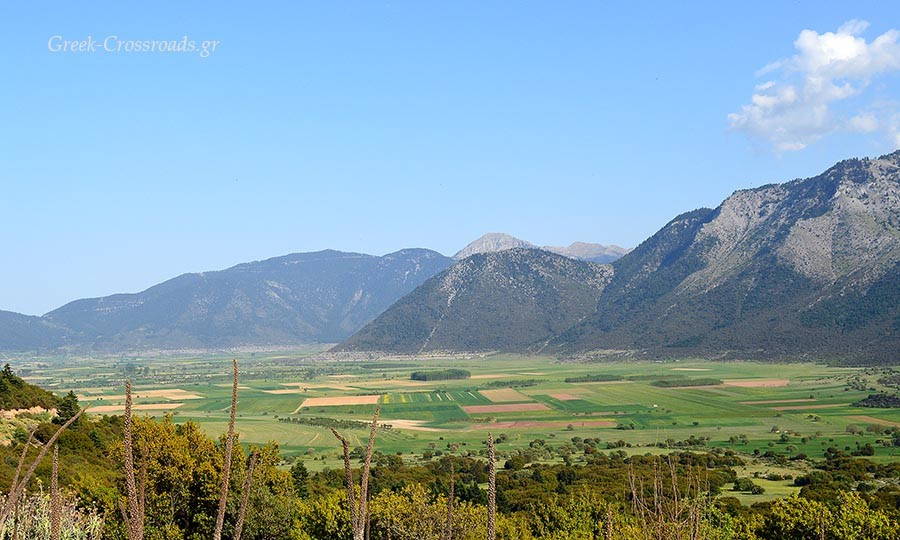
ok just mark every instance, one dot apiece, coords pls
pixel 784 409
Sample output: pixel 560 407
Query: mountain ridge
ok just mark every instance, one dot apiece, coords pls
pixel 807 268
pixel 511 299
pixel 298 298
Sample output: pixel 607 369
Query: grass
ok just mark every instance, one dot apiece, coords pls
pixel 658 413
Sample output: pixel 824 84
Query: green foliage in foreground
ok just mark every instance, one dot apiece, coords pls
pixel 843 497
pixel 440 375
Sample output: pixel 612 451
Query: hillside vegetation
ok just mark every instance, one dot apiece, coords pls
pixel 15 393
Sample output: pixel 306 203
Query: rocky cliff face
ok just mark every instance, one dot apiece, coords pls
pixel 801 267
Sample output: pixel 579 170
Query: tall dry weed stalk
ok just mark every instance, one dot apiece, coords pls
pixel 492 489
pixel 133 515
pixel 447 533
pixel 359 511
pixel 670 510
pixel 245 496
pixel 229 451
pixel 55 502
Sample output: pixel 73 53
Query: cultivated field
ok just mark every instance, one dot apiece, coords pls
pixel 806 409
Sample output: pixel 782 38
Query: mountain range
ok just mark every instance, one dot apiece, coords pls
pixel 808 268
pixel 805 269
pixel 301 298
pixel 319 297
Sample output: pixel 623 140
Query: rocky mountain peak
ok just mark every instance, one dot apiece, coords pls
pixel 492 242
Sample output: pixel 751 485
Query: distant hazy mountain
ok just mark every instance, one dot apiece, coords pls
pixel 24 332
pixel 301 298
pixel 809 267
pixel 490 243
pixel 514 299
pixel 589 252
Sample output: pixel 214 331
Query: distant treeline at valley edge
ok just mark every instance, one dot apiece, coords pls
pixel 440 375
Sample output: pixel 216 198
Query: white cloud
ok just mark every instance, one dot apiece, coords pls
pixel 863 123
pixel 796 107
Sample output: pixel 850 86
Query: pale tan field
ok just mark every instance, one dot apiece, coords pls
pixel 770 401
pixel 503 395
pixel 341 400
pixel 490 376
pixel 168 393
pixel 314 386
pixel 873 420
pixel 388 382
pixel 12 413
pixel 415 425
pixel 756 383
pixel 509 407
pixel 804 407
pixel 531 424
pixel 136 407
pixel 285 391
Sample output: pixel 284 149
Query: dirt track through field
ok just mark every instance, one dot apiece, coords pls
pixel 873 420
pixel 771 401
pixel 804 407
pixel 756 383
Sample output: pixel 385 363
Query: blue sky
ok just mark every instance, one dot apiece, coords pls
pixel 376 126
